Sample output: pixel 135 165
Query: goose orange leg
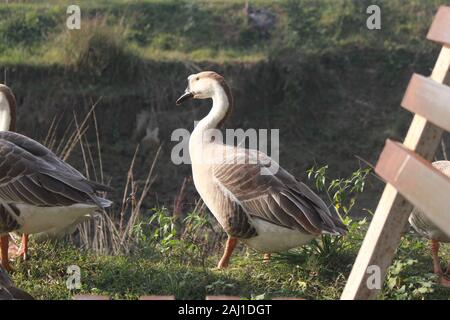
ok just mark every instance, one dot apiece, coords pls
pixel 436 264
pixel 434 246
pixel 4 246
pixel 23 251
pixel 229 247
pixel 266 258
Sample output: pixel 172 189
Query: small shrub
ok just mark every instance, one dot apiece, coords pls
pixel 97 50
pixel 158 231
pixel 343 193
pixel 400 285
pixel 26 28
pixel 159 234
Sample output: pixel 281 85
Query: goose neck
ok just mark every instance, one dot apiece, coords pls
pixel 215 117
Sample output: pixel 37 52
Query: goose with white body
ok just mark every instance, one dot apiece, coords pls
pixel 38 191
pixel 427 229
pixel 253 199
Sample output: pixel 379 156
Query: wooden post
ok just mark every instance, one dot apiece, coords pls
pixel 391 216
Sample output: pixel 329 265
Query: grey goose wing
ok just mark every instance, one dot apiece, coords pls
pixel 278 198
pixel 32 174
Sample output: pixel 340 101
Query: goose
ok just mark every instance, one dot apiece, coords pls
pixel 427 229
pixel 8 291
pixel 251 196
pixel 39 192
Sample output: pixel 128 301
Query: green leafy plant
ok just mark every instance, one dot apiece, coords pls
pixel 160 234
pixel 27 27
pixel 403 286
pixel 195 221
pixel 342 193
pixel 158 231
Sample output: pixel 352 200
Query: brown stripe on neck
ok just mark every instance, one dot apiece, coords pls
pixel 12 105
pixel 227 90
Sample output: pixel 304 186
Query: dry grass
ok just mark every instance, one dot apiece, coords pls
pixel 109 231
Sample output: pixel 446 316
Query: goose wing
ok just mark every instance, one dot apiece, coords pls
pixel 274 195
pixel 32 174
pixel 8 291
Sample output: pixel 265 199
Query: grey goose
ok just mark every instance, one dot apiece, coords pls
pixel 427 229
pixel 268 210
pixel 8 291
pixel 39 192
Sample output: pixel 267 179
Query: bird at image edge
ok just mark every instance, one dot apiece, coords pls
pixel 39 192
pixel 427 229
pixel 8 291
pixel 253 199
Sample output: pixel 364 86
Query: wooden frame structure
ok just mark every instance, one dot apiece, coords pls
pixel 411 180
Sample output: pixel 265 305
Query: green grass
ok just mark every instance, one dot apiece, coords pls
pixel 216 30
pixel 129 48
pixel 172 257
pixel 299 274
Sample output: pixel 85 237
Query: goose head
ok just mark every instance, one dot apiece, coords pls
pixel 7 109
pixel 204 85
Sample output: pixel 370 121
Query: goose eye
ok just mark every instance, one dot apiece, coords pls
pixel 197 78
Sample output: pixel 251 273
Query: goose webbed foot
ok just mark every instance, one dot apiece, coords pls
pixel 434 246
pixel 222 264
pixel 443 280
pixel 23 250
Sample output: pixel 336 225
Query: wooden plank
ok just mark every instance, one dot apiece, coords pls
pixel 287 298
pixel 379 245
pixel 441 72
pixel 429 99
pixel 440 28
pixel 418 181
pixel 222 298
pixel 155 297
pixel 90 297
pixel 391 215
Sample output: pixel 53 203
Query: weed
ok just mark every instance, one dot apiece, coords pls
pixel 343 193
pixel 400 286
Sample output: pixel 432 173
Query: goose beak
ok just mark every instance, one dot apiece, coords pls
pixel 186 96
